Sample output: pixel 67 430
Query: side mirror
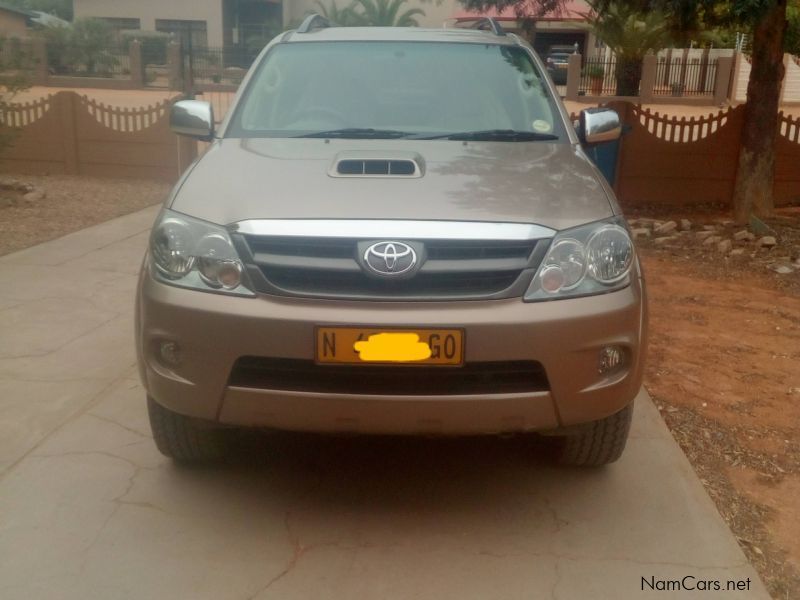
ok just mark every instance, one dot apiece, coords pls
pixel 599 125
pixel 193 118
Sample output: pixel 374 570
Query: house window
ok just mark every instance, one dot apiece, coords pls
pixel 183 28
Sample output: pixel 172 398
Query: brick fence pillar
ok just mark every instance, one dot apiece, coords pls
pixel 41 70
pixel 66 104
pixel 737 69
pixel 137 66
pixel 786 58
pixel 175 66
pixel 722 83
pixel 573 76
pixel 648 81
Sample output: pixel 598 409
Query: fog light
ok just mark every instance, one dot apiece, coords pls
pixel 229 274
pixel 611 359
pixel 553 279
pixel 220 273
pixel 169 352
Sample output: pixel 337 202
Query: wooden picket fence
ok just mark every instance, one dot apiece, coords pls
pixel 790 127
pixel 681 130
pixel 66 133
pixel 126 119
pixel 662 158
pixel 669 160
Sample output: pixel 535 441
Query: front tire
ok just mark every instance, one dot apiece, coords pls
pixel 182 438
pixel 601 443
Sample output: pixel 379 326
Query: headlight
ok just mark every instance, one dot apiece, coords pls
pixel 191 253
pixel 171 248
pixel 591 259
pixel 610 254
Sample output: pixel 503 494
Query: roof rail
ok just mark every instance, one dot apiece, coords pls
pixel 314 21
pixel 489 23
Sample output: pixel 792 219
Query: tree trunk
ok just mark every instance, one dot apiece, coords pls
pixel 529 29
pixel 629 75
pixel 756 171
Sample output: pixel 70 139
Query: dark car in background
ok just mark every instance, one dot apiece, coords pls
pixel 556 61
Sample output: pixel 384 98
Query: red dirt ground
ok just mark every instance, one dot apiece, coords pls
pixel 724 370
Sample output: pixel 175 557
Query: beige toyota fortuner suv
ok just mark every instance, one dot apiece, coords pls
pixel 393 231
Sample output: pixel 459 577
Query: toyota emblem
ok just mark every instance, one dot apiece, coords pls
pixel 390 258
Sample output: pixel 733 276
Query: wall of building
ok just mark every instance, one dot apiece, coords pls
pixel 148 11
pixel 13 24
pixel 435 14
pixel 791 82
pixel 790 89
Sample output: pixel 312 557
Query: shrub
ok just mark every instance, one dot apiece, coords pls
pixel 595 72
pixel 83 48
pixel 90 42
pixel 791 42
pixel 15 63
pixel 57 40
pixel 154 44
pixel 254 43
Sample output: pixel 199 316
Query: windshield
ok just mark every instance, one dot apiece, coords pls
pixel 396 90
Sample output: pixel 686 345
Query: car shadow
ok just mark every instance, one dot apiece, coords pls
pixel 371 475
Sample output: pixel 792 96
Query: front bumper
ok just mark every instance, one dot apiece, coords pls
pixel 565 336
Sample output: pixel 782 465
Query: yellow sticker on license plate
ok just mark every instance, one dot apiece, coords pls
pixel 390 346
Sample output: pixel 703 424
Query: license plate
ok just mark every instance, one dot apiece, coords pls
pixel 359 346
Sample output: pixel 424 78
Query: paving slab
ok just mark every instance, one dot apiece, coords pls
pixel 86 241
pixel 65 326
pixel 90 509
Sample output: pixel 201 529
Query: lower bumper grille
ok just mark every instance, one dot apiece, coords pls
pixel 471 379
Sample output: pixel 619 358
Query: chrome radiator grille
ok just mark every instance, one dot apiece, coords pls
pixel 451 269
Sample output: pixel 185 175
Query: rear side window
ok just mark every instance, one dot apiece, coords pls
pixel 414 87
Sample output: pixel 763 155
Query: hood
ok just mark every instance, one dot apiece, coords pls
pixel 553 185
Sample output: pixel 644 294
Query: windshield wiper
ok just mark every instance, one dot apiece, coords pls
pixel 357 133
pixel 492 135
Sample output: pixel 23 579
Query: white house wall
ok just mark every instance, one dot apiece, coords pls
pixel 435 14
pixel 791 83
pixel 147 11
pixel 743 76
pixel 791 86
pixel 210 11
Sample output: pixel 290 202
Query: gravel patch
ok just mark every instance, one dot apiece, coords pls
pixel 35 209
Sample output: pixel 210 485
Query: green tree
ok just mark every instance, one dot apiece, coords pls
pixel 755 176
pixel 59 8
pixel 346 17
pixel 386 13
pixel 91 41
pixel 85 47
pixel 57 40
pixel 153 43
pixel 371 13
pixel 792 42
pixel 767 20
pixel 631 34
pixel 15 64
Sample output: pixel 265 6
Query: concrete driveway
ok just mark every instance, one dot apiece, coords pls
pixel 89 509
